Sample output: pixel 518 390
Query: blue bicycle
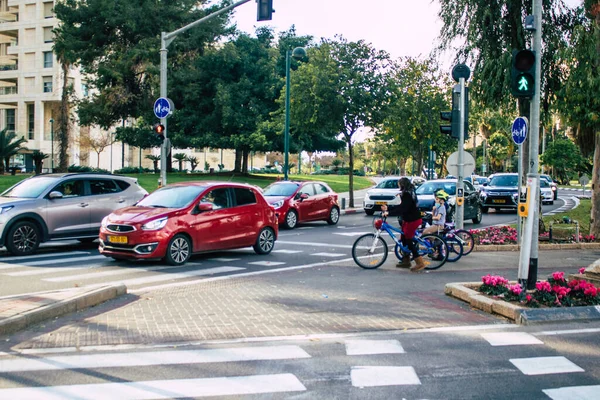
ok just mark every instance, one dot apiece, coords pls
pixel 370 250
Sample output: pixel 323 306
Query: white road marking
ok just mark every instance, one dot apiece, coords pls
pixel 574 392
pixel 62 261
pixel 383 376
pixel 43 271
pixel 344 246
pixel 266 263
pixel 162 389
pixel 545 365
pixel 169 277
pixel 364 347
pixel 510 338
pixel 329 254
pixel 144 359
pixel 222 259
pixel 93 275
pixel 283 251
pixel 567 332
pixel 350 233
pixel 25 258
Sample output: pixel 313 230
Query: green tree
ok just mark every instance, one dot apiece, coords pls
pixel 565 157
pixel 499 150
pixel 343 88
pixel 180 157
pixel 155 160
pixel 10 145
pixel 38 160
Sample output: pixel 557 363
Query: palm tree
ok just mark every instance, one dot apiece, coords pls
pixel 180 157
pixel 193 162
pixel 155 160
pixel 9 146
pixel 38 160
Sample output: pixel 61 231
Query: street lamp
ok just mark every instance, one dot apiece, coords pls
pixel 51 144
pixel 298 54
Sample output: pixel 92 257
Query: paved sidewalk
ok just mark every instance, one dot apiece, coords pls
pixel 21 311
pixel 339 298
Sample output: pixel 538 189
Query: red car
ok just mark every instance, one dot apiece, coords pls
pixel 179 220
pixel 303 201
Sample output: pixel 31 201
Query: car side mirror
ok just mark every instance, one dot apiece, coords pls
pixel 484 184
pixel 205 207
pixel 303 196
pixel 55 195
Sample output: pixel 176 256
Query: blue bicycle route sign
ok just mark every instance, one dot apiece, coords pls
pixel 519 130
pixel 162 107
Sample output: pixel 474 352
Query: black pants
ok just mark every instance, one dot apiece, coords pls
pixel 412 246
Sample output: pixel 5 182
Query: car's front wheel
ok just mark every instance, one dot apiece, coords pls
pixel 478 216
pixel 179 250
pixel 370 212
pixel 23 238
pixel 334 216
pixel 484 210
pixel 291 219
pixel 265 241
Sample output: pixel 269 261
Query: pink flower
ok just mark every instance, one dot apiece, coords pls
pixel 528 297
pixel 543 287
pixel 591 291
pixel 582 270
pixel 558 276
pixel 515 289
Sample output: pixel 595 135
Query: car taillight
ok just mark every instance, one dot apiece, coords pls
pixel 378 223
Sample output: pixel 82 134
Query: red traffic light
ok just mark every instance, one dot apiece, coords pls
pixel 159 129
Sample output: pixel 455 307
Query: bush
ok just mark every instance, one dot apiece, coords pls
pixel 132 170
pixel 84 168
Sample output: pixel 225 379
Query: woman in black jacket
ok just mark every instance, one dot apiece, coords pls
pixel 411 220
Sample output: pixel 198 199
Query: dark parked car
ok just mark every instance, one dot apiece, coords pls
pixel 472 204
pixel 178 220
pixel 501 193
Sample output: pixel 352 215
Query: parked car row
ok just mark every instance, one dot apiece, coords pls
pixel 172 223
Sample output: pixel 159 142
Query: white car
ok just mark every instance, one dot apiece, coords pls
pixel 547 192
pixel 386 192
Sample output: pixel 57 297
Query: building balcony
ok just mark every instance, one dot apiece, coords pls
pixel 9 16
pixel 8 90
pixel 9 67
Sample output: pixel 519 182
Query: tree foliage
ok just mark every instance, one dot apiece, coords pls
pixel 10 145
pixel 565 157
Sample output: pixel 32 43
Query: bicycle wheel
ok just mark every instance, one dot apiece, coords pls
pixel 434 249
pixel 369 251
pixel 455 248
pixel 399 253
pixel 468 241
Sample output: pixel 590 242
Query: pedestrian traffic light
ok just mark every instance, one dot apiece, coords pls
pixel 522 73
pixel 159 131
pixel 264 10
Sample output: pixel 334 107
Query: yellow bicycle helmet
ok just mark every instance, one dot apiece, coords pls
pixel 441 194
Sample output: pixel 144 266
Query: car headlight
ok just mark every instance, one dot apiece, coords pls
pixel 105 221
pixel 155 225
pixel 278 204
pixel 5 209
pixel 554 188
pixel 483 194
pixel 451 201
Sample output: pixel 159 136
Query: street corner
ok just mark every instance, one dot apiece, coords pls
pixel 351 211
pixel 19 312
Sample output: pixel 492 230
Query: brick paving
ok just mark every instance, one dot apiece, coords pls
pixel 303 302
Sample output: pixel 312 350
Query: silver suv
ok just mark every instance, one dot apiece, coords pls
pixel 61 206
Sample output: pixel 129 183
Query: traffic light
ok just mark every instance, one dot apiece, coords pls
pixel 453 130
pixel 522 73
pixel 159 131
pixel 264 10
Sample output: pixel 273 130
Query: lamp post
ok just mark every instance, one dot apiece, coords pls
pixel 51 144
pixel 298 54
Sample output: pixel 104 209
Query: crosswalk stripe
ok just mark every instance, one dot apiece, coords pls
pixel 574 392
pixel 545 365
pixel 266 263
pixel 63 260
pixel 350 233
pixel 162 389
pixel 366 347
pixel 510 338
pixel 328 254
pixel 149 358
pixel 45 271
pixel 344 246
pixel 284 251
pixel 35 256
pixel 168 277
pixel 383 376
pixel 112 272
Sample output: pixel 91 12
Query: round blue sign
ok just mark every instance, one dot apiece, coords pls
pixel 162 108
pixel 519 130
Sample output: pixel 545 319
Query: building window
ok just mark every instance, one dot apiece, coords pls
pixel 84 90
pixel 48 60
pixel 31 120
pixel 47 84
pixel 48 10
pixel 10 120
pixel 48 35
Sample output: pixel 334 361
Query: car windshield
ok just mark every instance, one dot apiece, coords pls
pixel 31 188
pixel 544 183
pixel 388 184
pixel 172 197
pixel 481 180
pixel 504 180
pixel 546 178
pixel 281 189
pixel 433 186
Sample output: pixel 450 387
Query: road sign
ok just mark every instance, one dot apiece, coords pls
pixel 468 161
pixel 519 130
pixel 584 180
pixel 162 107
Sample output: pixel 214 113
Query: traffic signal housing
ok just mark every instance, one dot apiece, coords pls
pixel 159 132
pixel 264 10
pixel 453 130
pixel 522 73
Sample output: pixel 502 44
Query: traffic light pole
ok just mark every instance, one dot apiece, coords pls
pixel 165 40
pixel 528 263
pixel 460 209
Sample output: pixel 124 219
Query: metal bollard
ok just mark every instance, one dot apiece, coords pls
pixel 343 203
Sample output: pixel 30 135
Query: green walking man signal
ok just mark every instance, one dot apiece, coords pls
pixel 522 73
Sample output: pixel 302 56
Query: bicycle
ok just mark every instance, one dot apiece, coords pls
pixel 374 249
pixel 460 242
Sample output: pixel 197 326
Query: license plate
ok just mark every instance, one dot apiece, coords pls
pixel 381 203
pixel 499 201
pixel 117 239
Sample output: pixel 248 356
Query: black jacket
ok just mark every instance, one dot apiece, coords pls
pixel 407 209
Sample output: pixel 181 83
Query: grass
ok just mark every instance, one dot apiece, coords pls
pixel 580 214
pixel 339 183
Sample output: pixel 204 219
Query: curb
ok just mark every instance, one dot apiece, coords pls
pixel 351 211
pixel 520 315
pixel 75 303
pixel 541 246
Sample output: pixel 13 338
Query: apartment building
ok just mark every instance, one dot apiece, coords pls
pixel 31 82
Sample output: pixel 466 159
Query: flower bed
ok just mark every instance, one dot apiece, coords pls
pixel 555 292
pixel 495 235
